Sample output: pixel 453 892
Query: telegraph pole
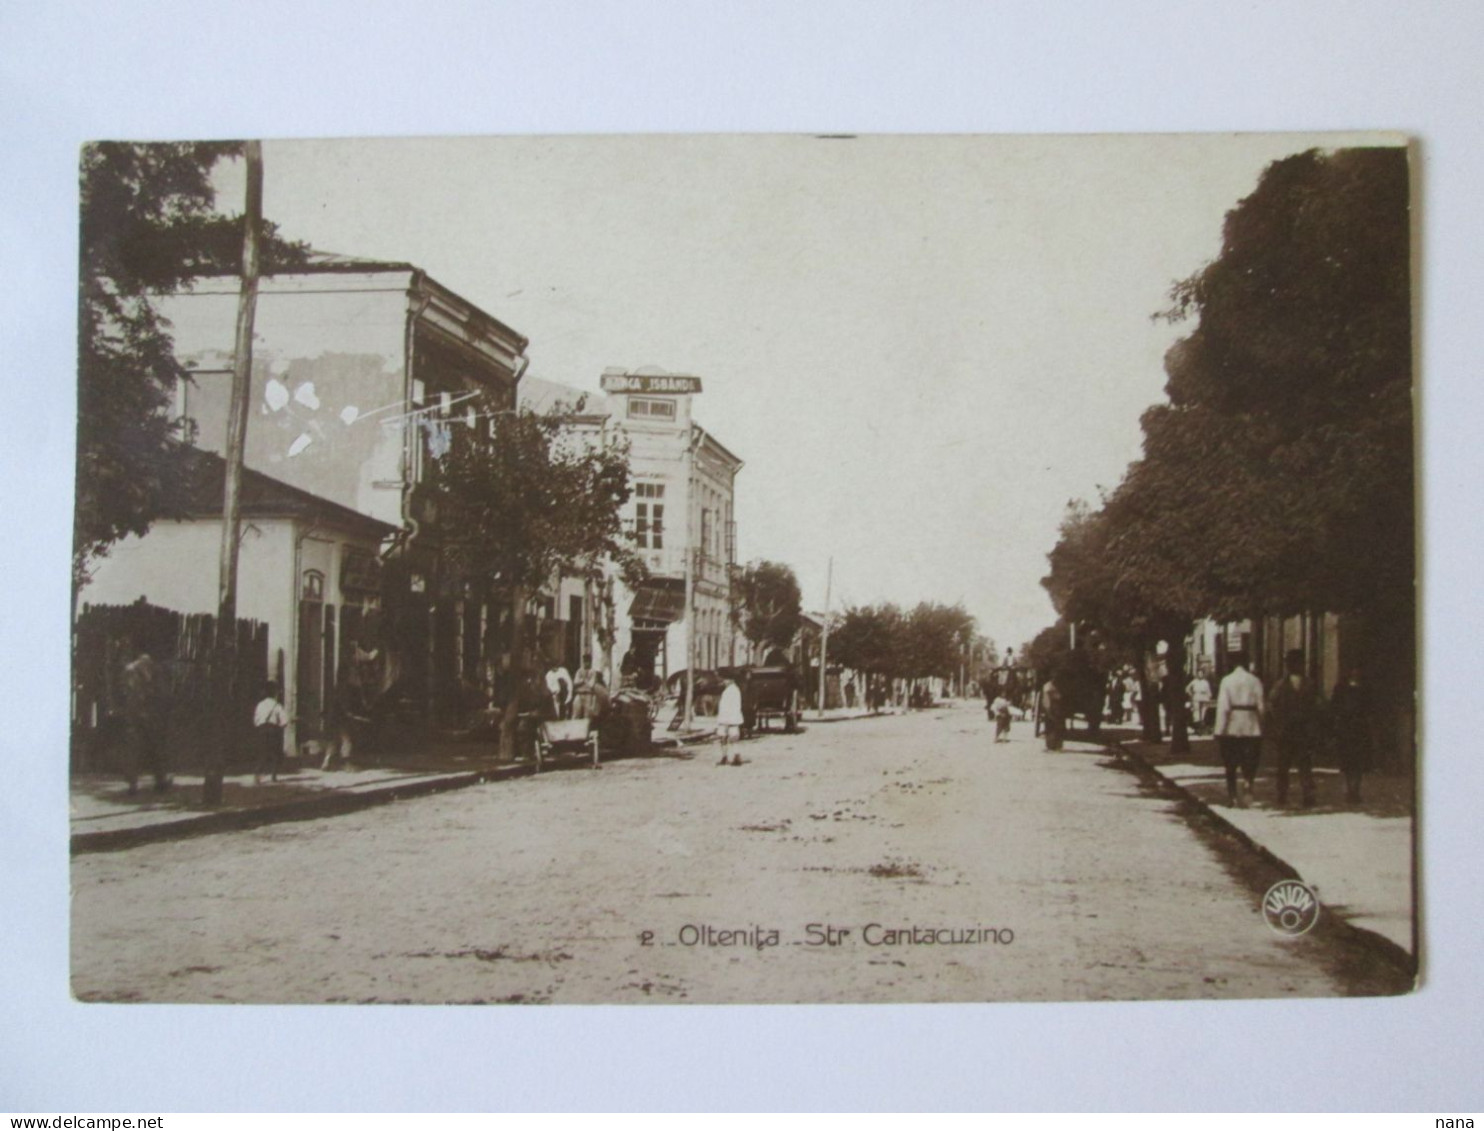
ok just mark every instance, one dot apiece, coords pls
pixel 692 563
pixel 824 639
pixel 226 613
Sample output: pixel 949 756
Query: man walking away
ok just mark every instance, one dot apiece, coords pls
pixel 1350 719
pixel 1293 718
pixel 1239 704
pixel 144 718
pixel 269 720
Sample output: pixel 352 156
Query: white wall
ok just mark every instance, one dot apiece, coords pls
pixel 175 566
pixel 335 343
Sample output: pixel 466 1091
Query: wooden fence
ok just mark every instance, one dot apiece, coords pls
pixel 106 637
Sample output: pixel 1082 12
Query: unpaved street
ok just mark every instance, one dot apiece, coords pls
pixel 1028 876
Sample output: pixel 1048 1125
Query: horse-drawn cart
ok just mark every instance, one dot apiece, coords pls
pixel 566 736
pixel 768 694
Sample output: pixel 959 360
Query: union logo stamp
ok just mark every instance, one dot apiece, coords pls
pixel 1291 907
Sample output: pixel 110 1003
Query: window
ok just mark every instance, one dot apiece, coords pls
pixel 651 408
pixel 649 526
pixel 314 585
pixel 206 400
pixel 649 517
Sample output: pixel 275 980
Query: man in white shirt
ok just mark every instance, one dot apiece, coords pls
pixel 559 687
pixel 1239 704
pixel 270 720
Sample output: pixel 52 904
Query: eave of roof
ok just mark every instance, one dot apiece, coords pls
pixel 266 497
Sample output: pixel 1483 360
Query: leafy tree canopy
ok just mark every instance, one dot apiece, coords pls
pixel 524 499
pixel 866 638
pixel 931 640
pixel 148 224
pixel 766 603
pixel 1279 475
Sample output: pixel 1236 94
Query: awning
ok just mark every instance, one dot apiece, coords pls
pixel 659 599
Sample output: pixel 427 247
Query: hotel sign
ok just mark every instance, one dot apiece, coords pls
pixel 649 383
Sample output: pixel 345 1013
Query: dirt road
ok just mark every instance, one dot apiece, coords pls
pixel 897 859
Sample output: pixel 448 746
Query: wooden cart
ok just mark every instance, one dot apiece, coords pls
pixel 566 736
pixel 768 694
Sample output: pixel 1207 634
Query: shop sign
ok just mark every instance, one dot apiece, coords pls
pixel 650 383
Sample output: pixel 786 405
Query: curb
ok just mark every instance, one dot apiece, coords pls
pixel 1384 947
pixel 333 803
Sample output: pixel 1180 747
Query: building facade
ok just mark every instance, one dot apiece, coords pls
pixel 361 372
pixel 682 522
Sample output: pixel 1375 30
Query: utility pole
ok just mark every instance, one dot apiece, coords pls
pixel 692 561
pixel 824 638
pixel 226 611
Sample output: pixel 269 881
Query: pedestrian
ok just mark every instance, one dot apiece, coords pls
pixel 729 721
pixel 559 687
pixel 584 693
pixel 600 697
pixel 1114 695
pixel 145 710
pixel 344 712
pixel 1239 703
pixel 1198 691
pixel 1294 722
pixel 850 694
pixel 1052 714
pixel 269 721
pixel 1130 694
pixel 1350 730
pixel 999 710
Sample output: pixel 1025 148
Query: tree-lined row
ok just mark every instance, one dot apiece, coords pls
pixel 1278 476
pixel 929 641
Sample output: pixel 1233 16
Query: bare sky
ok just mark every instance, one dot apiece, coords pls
pixel 922 347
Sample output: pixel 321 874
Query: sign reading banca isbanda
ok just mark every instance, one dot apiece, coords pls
pixel 650 383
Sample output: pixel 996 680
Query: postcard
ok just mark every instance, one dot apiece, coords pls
pixel 745 569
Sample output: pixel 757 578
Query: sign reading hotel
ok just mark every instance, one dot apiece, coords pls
pixel 649 383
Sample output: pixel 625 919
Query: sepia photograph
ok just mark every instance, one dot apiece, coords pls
pixel 745 569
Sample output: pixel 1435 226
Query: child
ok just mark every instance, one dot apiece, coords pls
pixel 1000 709
pixel 728 720
pixel 269 719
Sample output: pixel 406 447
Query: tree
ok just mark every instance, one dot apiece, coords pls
pixel 1291 398
pixel 868 638
pixel 934 640
pixel 522 499
pixel 147 225
pixel 766 604
pixel 1278 478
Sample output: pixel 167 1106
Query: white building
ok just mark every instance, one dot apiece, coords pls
pixel 359 371
pixel 681 514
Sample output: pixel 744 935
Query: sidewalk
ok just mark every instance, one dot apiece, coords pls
pixel 105 816
pixel 1357 858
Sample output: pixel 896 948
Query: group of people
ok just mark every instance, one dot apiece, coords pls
pixel 1293 714
pixel 585 697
